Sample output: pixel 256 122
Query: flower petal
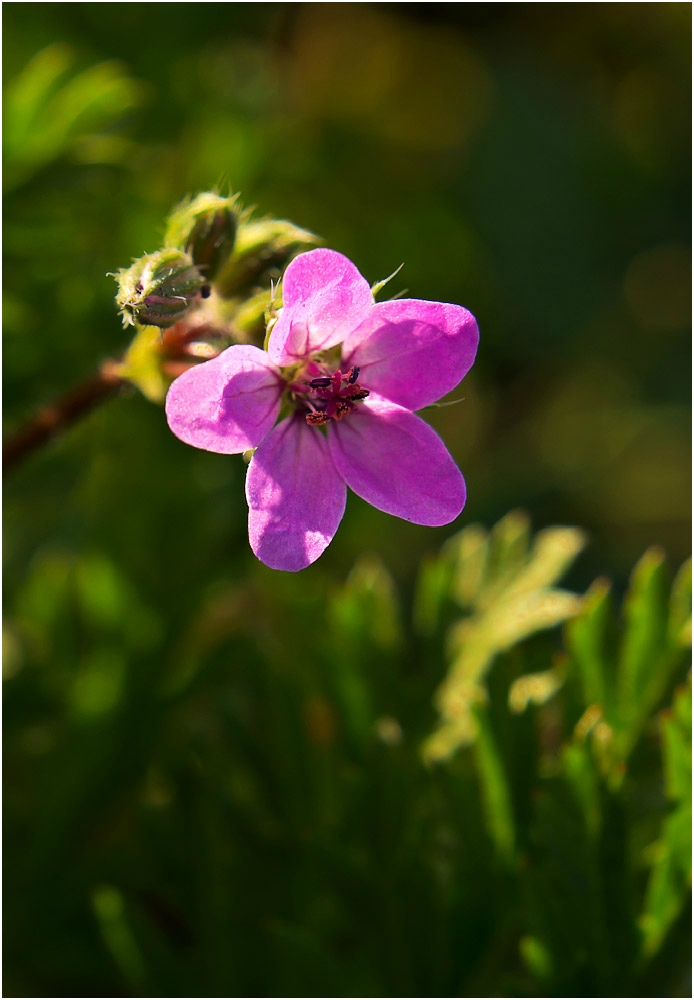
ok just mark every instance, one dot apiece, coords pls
pixel 295 496
pixel 228 404
pixel 397 463
pixel 324 298
pixel 413 352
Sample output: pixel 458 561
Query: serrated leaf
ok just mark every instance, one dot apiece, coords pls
pixel 585 641
pixel 650 653
pixel 670 881
pixel 507 551
pixel 554 549
pixel 645 614
pixel 520 615
pixel 512 597
pixel 533 689
pixel 449 737
pixel 676 734
pixel 469 550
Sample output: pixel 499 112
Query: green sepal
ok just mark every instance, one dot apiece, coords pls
pixel 141 364
pixel 158 289
pixel 204 227
pixel 263 246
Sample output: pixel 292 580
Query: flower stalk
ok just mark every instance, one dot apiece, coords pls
pixel 50 421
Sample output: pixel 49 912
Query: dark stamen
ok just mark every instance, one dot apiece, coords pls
pixel 317 418
pixel 329 397
pixel 342 408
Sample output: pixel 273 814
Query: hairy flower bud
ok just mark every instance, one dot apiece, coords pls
pixel 206 229
pixel 262 245
pixel 158 289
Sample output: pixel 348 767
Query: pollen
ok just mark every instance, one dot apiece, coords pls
pixel 332 396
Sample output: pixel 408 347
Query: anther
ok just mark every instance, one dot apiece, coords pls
pixel 353 375
pixel 342 408
pixel 320 383
pixel 317 418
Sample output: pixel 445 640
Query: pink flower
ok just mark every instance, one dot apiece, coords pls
pixel 349 372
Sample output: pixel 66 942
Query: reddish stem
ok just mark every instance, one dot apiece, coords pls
pixel 50 420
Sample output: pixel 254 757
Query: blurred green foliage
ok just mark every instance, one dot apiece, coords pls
pixel 215 776
pixel 510 594
pixel 253 815
pixel 46 118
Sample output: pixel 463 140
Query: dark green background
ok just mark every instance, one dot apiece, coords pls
pixel 529 161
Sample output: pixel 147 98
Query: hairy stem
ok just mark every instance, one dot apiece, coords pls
pixel 51 420
pixel 174 352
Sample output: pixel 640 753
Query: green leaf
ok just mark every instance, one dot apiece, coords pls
pixel 645 615
pixel 676 733
pixel 363 616
pixel 91 101
pixel 680 619
pixel 511 596
pixel 28 93
pixel 110 911
pixel 537 957
pixel 45 121
pixel 533 689
pixel 433 588
pixel 585 641
pixel 496 794
pixel 508 549
pixel 368 605
pixel 98 684
pixel 670 882
pixel 554 550
pixel 652 647
pixel 469 550
pixel 580 772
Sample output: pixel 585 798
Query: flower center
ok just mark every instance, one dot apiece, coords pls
pixel 329 395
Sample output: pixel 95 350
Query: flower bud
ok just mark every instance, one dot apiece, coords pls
pixel 261 246
pixel 158 289
pixel 206 229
